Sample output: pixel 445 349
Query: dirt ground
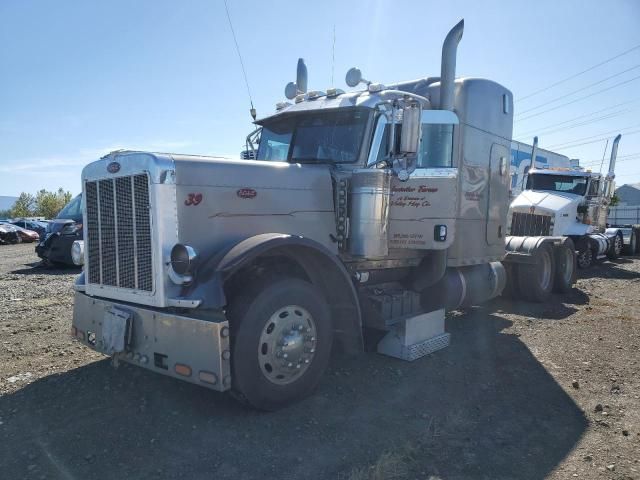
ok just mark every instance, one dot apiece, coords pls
pixel 524 391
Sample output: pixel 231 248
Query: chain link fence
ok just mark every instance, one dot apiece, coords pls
pixel 624 215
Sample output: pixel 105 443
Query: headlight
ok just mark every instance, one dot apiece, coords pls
pixel 183 259
pixel 77 252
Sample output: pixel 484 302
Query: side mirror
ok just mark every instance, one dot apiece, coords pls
pixel 410 134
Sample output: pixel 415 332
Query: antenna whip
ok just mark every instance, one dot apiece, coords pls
pixel 244 72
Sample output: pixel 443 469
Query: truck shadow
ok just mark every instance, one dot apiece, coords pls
pixel 610 269
pixel 37 268
pixel 557 308
pixel 482 408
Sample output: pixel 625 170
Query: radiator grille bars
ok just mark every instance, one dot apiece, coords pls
pixel 119 232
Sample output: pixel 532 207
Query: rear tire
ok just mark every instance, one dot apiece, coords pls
pixel 511 287
pixel 535 280
pixel 281 337
pixel 565 268
pixel 631 248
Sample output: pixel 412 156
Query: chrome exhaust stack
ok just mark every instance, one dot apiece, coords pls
pixel 292 90
pixel 448 67
pixel 614 154
pixel 532 163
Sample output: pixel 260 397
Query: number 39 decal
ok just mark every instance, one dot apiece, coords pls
pixel 193 199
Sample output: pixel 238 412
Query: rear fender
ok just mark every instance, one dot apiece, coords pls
pixel 521 249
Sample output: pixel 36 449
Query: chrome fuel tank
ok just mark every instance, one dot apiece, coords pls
pixel 369 220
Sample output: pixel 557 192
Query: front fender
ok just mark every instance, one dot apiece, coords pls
pixel 321 266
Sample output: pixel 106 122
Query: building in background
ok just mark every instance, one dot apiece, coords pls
pixel 629 195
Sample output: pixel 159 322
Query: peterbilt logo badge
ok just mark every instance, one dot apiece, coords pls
pixel 113 167
pixel 247 193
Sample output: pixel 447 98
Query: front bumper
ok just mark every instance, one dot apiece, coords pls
pixel 162 342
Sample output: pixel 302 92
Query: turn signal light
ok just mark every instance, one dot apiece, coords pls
pixel 184 370
pixel 208 377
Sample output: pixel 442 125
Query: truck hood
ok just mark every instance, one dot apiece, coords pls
pixel 549 203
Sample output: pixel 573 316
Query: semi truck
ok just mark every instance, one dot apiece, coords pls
pixel 356 213
pixel 521 162
pixel 573 203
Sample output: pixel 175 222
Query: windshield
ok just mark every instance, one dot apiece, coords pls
pixel 331 136
pixel 557 183
pixel 72 210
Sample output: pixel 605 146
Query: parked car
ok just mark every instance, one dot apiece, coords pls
pixel 9 234
pixel 25 235
pixel 35 225
pixel 62 231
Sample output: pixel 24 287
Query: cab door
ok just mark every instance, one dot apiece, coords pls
pixel 498 197
pixel 423 208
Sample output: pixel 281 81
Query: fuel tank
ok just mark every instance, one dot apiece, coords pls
pixel 466 286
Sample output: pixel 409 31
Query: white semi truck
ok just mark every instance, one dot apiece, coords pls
pixel 573 203
pixel 521 162
pixel 373 210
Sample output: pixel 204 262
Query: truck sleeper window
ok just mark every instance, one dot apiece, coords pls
pixel 331 136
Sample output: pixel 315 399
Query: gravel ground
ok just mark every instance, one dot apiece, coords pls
pixel 524 391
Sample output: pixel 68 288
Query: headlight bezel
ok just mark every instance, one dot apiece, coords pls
pixel 183 259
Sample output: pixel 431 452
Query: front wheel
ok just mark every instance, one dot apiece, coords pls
pixel 281 342
pixel 616 247
pixel 585 255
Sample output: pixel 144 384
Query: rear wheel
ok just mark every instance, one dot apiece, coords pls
pixel 535 280
pixel 281 342
pixel 565 268
pixel 511 287
pixel 631 248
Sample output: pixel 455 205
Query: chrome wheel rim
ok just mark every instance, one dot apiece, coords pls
pixel 287 345
pixel 584 259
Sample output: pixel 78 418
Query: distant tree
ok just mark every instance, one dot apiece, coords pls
pixel 49 204
pixel 5 213
pixel 24 206
pixel 615 200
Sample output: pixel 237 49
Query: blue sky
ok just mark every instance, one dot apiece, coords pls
pixel 81 78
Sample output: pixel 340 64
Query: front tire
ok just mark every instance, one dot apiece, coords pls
pixel 281 336
pixel 616 247
pixel 585 255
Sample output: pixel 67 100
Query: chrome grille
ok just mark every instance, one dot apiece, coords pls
pixel 530 224
pixel 119 232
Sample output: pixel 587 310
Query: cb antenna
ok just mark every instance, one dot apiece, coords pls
pixel 244 72
pixel 603 155
pixel 333 53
